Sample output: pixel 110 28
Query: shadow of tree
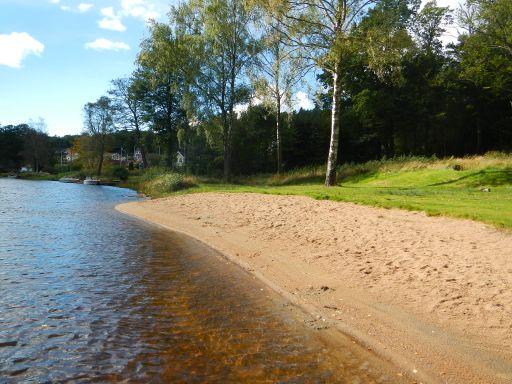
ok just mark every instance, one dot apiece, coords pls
pixel 484 177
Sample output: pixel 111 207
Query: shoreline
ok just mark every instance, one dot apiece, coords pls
pixel 331 336
pixel 425 350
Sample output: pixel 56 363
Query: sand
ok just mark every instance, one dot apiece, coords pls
pixel 430 294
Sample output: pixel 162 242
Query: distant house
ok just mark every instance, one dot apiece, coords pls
pixel 70 155
pixel 137 156
pixel 117 157
pixel 180 159
pixel 26 169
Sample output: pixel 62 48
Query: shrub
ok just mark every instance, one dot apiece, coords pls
pixel 58 168
pixel 120 173
pixel 169 182
pixel 153 173
pixel 163 183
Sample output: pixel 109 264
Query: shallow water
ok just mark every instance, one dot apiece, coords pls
pixel 90 295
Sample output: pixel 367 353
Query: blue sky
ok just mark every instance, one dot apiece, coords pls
pixel 57 55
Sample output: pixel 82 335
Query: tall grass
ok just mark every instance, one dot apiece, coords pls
pixel 158 181
pixel 315 174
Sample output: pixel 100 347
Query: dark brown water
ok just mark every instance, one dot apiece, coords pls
pixel 90 295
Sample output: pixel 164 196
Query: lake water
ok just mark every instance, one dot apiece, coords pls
pixel 90 295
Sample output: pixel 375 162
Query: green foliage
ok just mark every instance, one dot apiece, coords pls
pixel 486 49
pixel 120 173
pixel 402 94
pixel 26 145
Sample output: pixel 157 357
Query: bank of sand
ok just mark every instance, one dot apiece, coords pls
pixel 431 294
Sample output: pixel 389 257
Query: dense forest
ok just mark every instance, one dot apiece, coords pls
pixel 28 145
pixel 216 82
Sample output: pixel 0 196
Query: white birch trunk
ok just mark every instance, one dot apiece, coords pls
pixel 332 159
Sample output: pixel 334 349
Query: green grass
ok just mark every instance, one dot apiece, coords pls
pixel 419 184
pixel 45 175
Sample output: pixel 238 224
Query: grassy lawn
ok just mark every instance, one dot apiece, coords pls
pixel 428 185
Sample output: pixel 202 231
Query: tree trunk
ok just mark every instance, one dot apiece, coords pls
pixel 170 131
pixel 478 136
pixel 231 123
pixel 278 107
pixel 278 137
pixel 227 161
pixel 170 149
pixel 227 147
pixel 100 160
pixel 332 159
pixel 143 155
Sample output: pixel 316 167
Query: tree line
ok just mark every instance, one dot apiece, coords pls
pixel 28 145
pixel 385 84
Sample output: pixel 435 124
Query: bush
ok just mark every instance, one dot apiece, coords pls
pixel 120 173
pixel 57 168
pixel 154 184
pixel 168 182
pixel 152 173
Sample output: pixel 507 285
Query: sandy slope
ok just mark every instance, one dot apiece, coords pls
pixel 431 294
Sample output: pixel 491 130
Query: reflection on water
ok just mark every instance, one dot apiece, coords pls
pixel 89 295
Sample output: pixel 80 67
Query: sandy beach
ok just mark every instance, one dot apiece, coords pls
pixel 430 294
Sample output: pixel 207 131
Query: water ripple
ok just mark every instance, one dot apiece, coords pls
pixel 89 295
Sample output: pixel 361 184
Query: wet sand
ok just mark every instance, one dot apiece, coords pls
pixel 430 294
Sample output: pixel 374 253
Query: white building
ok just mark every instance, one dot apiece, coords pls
pixel 70 155
pixel 137 156
pixel 118 157
pixel 180 159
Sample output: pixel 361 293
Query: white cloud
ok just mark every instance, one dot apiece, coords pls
pixel 139 9
pixel 107 45
pixel 84 7
pixel 15 47
pixel 111 20
pixel 80 8
pixel 108 12
pixel 302 100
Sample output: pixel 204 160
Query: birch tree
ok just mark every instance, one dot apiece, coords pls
pixel 321 29
pixel 221 51
pixel 324 30
pixel 277 71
